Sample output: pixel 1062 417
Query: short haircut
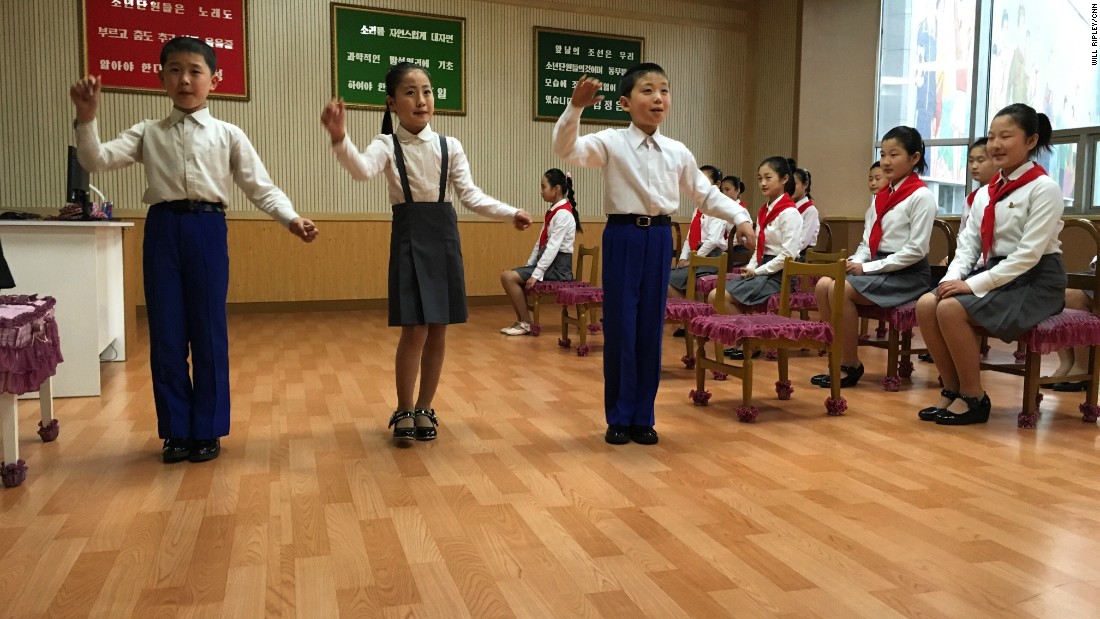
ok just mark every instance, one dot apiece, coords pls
pixel 978 143
pixel 633 73
pixel 189 45
pixel 712 172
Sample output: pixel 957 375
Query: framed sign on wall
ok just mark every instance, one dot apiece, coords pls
pixel 563 56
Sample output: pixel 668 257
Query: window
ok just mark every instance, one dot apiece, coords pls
pixel 947 177
pixel 1061 165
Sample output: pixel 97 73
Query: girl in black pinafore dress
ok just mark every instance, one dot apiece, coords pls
pixel 426 282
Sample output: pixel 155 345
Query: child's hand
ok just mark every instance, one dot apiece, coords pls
pixel 531 281
pixel 584 94
pixel 745 235
pixel 85 95
pixel 521 220
pixel 950 288
pixel 682 264
pixel 853 268
pixel 303 229
pixel 333 117
pixel 748 273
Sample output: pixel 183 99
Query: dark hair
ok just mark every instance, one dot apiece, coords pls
pixel 877 164
pixel 626 84
pixel 394 77
pixel 782 167
pixel 1032 122
pixel 912 142
pixel 712 172
pixel 804 175
pixel 557 178
pixel 189 45
pixel 978 143
pixel 736 183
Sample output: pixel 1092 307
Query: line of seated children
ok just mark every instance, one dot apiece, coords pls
pixel 811 216
pixel 706 235
pixel 551 258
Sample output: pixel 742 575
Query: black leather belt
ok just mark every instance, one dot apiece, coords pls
pixel 192 206
pixel 642 221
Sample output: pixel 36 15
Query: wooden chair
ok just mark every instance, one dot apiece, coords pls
pixel 899 323
pixel 682 311
pixel 677 241
pixel 586 302
pixel 1070 328
pixel 779 331
pixel 547 292
pixel 824 239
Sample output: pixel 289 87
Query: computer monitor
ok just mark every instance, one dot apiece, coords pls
pixel 76 190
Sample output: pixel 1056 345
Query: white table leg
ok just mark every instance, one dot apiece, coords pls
pixel 48 428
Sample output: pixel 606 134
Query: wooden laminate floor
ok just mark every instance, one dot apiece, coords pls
pixel 521 510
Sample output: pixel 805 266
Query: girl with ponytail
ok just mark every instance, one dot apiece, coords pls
pixel 551 258
pixel 424 171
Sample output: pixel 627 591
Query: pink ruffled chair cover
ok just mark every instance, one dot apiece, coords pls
pixel 799 301
pixel 29 346
pixel 1066 330
pixel 686 309
pixel 730 330
pixel 553 287
pixel 580 294
pixel 903 317
pixel 706 283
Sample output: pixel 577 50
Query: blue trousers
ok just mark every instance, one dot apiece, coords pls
pixel 635 287
pixel 186 273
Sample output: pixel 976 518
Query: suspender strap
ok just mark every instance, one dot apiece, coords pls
pixel 399 158
pixel 443 168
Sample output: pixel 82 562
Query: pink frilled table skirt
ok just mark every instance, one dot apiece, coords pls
pixel 29 346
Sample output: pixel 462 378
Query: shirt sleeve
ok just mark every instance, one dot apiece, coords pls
pixel 587 151
pixel 471 196
pixel 968 246
pixel 863 252
pixel 1043 222
pixel 534 253
pixel 251 176
pixel 559 227
pixel 365 165
pixel 810 226
pixel 123 151
pixel 685 251
pixel 921 211
pixel 711 200
pixel 713 235
pixel 789 228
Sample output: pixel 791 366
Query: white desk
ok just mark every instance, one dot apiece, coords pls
pixel 79 264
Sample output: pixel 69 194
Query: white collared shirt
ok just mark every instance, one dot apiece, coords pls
pixel 644 174
pixel 811 224
pixel 1028 222
pixel 423 160
pixel 713 236
pixel 782 239
pixel 187 157
pixel 559 239
pixel 906 231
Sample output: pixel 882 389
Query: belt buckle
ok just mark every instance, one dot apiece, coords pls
pixel 643 221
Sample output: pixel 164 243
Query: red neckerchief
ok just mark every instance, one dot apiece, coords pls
pixel 970 197
pixel 995 194
pixel 765 217
pixel 695 232
pixel 545 237
pixel 887 199
pixel 805 207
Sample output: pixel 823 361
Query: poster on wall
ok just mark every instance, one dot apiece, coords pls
pixel 562 56
pixel 122 40
pixel 366 42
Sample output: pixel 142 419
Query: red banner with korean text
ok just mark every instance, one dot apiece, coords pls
pixel 123 38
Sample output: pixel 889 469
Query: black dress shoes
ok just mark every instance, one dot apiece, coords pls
pixel 202 451
pixel 925 357
pixel 643 435
pixel 977 411
pixel 930 413
pixel 739 355
pixel 850 378
pixel 426 432
pixel 1070 387
pixel 175 450
pixel 619 435
pixel 402 433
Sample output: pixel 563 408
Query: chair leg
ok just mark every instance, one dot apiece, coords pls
pixel 1029 416
pixel 891 382
pixel 905 365
pixel 719 355
pixel 783 387
pixel 564 341
pixel 699 395
pixel 13 471
pixel 48 428
pixel 689 344
pixel 746 413
pixel 863 328
pixel 1089 410
pixel 835 404
pixel 582 330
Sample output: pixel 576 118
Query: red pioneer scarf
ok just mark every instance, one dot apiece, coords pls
pixel 887 199
pixel 765 217
pixel 695 232
pixel 997 190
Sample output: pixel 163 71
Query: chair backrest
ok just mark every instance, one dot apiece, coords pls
pixel 817 257
pixel 677 240
pixel 825 238
pixel 719 262
pixel 591 257
pixel 1086 281
pixel 937 270
pixel 835 270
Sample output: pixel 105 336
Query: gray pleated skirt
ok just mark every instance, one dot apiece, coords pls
pixel 678 278
pixel 896 287
pixel 1009 311
pixel 560 269
pixel 756 290
pixel 427 284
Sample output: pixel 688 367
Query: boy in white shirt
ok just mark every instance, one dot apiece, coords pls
pixel 645 172
pixel 191 160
